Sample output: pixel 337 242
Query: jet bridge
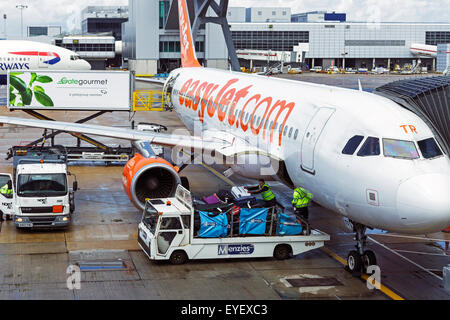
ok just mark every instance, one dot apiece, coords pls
pixel 429 98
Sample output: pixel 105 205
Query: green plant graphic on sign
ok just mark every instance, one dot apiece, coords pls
pixel 21 94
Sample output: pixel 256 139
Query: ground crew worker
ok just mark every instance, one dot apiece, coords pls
pixel 266 193
pixel 300 202
pixel 6 190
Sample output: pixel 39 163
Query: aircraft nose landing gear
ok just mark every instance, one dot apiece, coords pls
pixel 360 259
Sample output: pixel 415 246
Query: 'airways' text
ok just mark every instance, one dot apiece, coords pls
pixel 14 66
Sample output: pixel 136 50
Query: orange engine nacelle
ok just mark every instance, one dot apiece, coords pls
pixel 149 178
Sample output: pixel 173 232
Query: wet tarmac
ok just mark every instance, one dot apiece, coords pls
pixel 33 265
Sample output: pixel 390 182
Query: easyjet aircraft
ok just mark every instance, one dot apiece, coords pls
pixel 18 55
pixel 361 155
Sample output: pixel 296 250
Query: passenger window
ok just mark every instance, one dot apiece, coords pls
pixel 285 130
pixel 370 148
pixel 290 132
pixel 296 134
pixel 170 224
pixel 429 148
pixel 352 145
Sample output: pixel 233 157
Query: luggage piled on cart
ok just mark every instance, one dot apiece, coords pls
pixel 239 196
pixel 227 220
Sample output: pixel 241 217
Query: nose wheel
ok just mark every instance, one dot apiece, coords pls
pixel 360 260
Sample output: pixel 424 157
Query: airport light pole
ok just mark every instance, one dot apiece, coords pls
pixel 21 7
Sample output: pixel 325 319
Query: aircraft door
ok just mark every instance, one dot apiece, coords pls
pixel 312 135
pixel 6 201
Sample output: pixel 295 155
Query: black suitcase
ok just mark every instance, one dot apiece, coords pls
pixel 245 202
pixel 225 196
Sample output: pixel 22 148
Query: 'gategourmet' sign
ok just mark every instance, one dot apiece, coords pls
pixel 69 90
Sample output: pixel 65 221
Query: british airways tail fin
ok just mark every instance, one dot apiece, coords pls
pixel 188 56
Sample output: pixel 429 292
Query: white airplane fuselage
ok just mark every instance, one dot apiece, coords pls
pixel 20 55
pixel 405 195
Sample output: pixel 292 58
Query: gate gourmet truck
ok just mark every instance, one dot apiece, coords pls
pixel 41 195
pixel 176 229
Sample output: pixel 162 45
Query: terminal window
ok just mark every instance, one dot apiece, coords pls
pixel 95 47
pixel 37 31
pixel 269 40
pixel 174 46
pixel 376 43
pixel 435 37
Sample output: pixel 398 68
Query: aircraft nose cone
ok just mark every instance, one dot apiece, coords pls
pixel 423 203
pixel 87 65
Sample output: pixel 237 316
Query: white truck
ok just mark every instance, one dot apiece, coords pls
pixel 41 195
pixel 170 229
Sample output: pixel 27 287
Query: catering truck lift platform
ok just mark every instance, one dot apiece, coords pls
pixel 99 92
pixel 177 230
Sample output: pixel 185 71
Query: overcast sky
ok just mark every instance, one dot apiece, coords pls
pixel 66 13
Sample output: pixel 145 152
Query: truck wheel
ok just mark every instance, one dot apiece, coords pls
pixel 282 252
pixel 178 257
pixel 185 183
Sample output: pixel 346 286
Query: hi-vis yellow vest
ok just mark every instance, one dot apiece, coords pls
pixel 5 190
pixel 301 198
pixel 267 195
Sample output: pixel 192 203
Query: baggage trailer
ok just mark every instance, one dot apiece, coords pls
pixel 177 230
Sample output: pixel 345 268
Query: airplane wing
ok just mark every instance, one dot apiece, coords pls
pixel 227 146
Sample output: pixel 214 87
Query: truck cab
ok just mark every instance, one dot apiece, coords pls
pixel 175 229
pixel 41 196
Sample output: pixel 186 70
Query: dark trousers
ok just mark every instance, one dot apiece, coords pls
pixel 302 212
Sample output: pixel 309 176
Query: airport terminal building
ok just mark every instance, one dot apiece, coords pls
pixel 345 44
pixel 151 40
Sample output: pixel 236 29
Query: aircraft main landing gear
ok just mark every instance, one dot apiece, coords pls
pixel 360 259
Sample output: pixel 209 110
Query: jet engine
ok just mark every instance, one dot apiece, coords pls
pixel 152 177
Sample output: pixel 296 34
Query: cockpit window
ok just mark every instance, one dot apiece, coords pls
pixel 352 145
pixel 371 147
pixel 429 148
pixel 400 149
